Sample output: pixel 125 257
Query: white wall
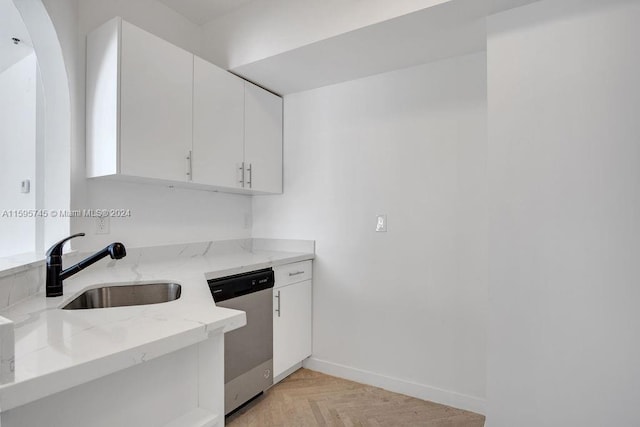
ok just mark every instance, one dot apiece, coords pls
pixel 12 25
pixel 159 215
pixel 18 155
pixel 564 156
pixel 44 19
pixel 53 122
pixel 150 15
pixel 261 29
pixel 409 304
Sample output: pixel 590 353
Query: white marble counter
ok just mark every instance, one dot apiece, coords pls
pixel 58 349
pixel 18 263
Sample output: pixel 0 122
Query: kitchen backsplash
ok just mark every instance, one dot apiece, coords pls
pixel 21 283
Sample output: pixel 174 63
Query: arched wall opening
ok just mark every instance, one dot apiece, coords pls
pixel 54 168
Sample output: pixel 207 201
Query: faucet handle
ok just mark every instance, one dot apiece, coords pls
pixel 56 250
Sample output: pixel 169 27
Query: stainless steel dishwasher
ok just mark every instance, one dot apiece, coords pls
pixel 248 351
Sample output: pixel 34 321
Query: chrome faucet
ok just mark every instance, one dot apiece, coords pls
pixel 55 273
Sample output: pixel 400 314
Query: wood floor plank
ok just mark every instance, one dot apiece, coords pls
pixel 308 399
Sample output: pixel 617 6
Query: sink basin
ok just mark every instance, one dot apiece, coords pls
pixel 121 295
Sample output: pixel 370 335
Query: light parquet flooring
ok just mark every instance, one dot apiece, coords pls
pixel 308 398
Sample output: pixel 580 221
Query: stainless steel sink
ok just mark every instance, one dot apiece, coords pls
pixel 120 295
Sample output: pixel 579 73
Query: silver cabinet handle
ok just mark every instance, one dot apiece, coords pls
pixel 241 169
pixel 250 181
pixel 278 309
pixel 190 166
pixel 296 273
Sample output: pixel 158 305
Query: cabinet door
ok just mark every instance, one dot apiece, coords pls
pixel 218 125
pixel 291 325
pixel 263 139
pixel 156 80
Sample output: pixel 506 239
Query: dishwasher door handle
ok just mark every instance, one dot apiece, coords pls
pixel 278 309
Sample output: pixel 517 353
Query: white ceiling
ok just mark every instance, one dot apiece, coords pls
pixel 203 11
pixel 11 25
pixel 449 29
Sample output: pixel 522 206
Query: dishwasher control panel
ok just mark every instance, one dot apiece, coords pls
pixel 228 287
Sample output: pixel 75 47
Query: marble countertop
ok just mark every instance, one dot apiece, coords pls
pixel 57 349
pixel 17 263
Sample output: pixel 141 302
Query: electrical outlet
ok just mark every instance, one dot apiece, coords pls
pixel 381 223
pixel 102 225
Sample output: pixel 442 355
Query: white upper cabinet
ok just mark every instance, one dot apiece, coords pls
pixel 147 89
pixel 156 86
pixel 158 113
pixel 262 140
pixel 218 126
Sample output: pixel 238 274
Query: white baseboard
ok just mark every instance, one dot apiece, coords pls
pixel 420 391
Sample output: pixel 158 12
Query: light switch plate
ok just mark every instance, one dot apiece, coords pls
pixel 381 223
pixel 25 186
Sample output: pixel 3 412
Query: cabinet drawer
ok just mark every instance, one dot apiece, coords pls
pixel 292 273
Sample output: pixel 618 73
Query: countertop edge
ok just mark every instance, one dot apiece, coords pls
pixel 13 395
pixel 258 266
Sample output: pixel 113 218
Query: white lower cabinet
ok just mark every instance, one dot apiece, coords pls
pixel 291 324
